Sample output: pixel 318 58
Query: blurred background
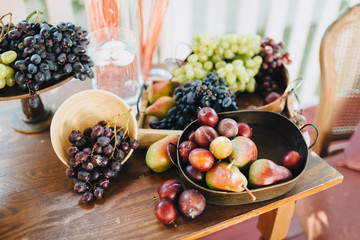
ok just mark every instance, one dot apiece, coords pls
pixel 300 24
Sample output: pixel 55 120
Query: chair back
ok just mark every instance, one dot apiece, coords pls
pixel 338 112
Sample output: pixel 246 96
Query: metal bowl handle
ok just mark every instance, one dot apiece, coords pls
pixel 290 90
pixel 316 130
pixel 169 155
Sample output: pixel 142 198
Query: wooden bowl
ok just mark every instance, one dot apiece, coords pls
pixel 83 110
pixel 245 99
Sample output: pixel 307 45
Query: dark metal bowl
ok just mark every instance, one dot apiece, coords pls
pixel 273 135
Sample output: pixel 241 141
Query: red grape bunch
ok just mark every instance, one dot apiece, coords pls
pixel 209 92
pixel 96 156
pixel 273 59
pixel 46 52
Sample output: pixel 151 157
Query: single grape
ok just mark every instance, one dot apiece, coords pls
pixel 103 141
pixel 95 174
pixel 73 163
pixel 134 144
pixel 81 157
pixel 97 160
pixel 104 161
pixel 61 59
pixel 35 59
pixel 74 136
pixel 81 143
pixel 87 166
pixel 116 166
pixel 44 32
pixel 20 65
pixel 23 26
pixel 70 172
pixel 80 187
pixel 108 173
pixel 119 155
pixel 83 176
pixel 120 132
pixel 39 77
pixel 87 150
pixel 87 131
pixel 29 41
pixel 10 81
pixel 79 50
pixel 34 101
pixel 104 183
pixel 8 57
pixel 2 83
pixel 97 131
pixel 108 149
pixel 98 149
pixel 32 68
pixel 87 197
pixel 99 193
pixel 2 71
pixel 125 146
pixel 108 132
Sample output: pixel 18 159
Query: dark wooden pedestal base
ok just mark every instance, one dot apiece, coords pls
pixel 32 120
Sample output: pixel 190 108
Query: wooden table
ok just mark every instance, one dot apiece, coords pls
pixel 37 201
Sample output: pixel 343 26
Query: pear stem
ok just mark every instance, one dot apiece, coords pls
pixel 231 164
pixel 250 193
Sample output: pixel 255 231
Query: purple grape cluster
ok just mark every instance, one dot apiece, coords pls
pixel 95 158
pixel 273 59
pixel 47 53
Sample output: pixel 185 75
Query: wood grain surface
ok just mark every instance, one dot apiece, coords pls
pixel 37 200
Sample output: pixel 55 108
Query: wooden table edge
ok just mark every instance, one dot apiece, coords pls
pixel 257 212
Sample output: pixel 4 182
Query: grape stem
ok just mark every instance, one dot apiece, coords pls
pixel 37 20
pixel 93 149
pixel 113 123
pixel 218 51
pixel 238 88
pixel 3 33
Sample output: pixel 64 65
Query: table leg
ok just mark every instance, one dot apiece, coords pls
pixel 275 224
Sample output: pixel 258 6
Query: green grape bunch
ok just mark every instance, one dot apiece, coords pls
pixel 233 57
pixel 6 72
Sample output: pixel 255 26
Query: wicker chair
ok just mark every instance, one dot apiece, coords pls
pixel 338 112
pixel 333 214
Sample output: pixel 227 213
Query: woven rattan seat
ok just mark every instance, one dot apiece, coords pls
pixel 339 108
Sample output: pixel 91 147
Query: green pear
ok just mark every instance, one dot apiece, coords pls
pixel 264 172
pixel 159 89
pixel 244 152
pixel 160 107
pixel 157 157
